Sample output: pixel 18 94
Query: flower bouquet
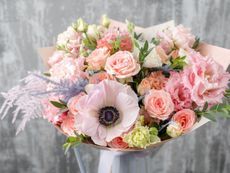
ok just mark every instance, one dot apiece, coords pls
pixel 125 88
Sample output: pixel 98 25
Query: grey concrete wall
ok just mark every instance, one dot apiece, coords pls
pixel 26 25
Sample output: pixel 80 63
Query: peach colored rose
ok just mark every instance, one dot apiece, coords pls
pixel 118 143
pixel 73 101
pixel 98 77
pixel 96 60
pixel 122 65
pixel 186 118
pixel 158 104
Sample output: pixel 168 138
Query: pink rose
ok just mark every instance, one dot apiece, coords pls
pixel 96 60
pixel 182 37
pixel 158 104
pixel 144 86
pixel 98 77
pixel 118 143
pixel 186 118
pixel 73 101
pixel 206 79
pixel 180 95
pixel 122 64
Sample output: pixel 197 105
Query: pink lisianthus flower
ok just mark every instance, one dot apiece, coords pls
pixel 122 65
pixel 98 77
pixel 97 59
pixel 109 110
pixel 113 35
pixel 68 68
pixel 186 118
pixel 206 79
pixel 158 104
pixel 118 143
pixel 182 37
pixel 180 95
pixel 71 40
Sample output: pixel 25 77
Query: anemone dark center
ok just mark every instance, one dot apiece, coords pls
pixel 108 115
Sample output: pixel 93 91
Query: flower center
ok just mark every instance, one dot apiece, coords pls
pixel 108 115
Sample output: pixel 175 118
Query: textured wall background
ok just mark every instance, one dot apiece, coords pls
pixel 27 25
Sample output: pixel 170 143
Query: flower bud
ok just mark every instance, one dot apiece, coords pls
pixel 80 25
pixel 174 130
pixel 92 31
pixel 105 21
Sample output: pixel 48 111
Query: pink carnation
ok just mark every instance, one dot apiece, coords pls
pixel 50 112
pixel 206 79
pixel 179 93
pixel 109 110
pixel 73 102
pixel 68 124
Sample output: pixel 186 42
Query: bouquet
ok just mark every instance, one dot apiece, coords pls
pixel 121 87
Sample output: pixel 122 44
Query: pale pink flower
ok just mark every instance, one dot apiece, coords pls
pixel 109 110
pixel 118 143
pixel 71 40
pixel 182 37
pixel 98 77
pixel 56 57
pixel 68 68
pixel 122 65
pixel 50 112
pixel 206 79
pixel 97 59
pixel 179 93
pixel 186 118
pixel 73 102
pixel 158 104
pixel 166 41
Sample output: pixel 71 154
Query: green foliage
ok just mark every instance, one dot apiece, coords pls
pixel 196 43
pixel 130 26
pixel 89 42
pixel 60 105
pixel 155 41
pixel 73 141
pixel 144 51
pixel 178 63
pixel 137 36
pixel 47 74
pixel 116 45
pixel 219 110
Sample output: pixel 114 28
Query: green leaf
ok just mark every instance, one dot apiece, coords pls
pixel 136 44
pixel 130 26
pixel 178 63
pixel 58 104
pixel 47 74
pixel 196 43
pixel 146 46
pixel 155 41
pixel 205 107
pixel 73 141
pixel 137 36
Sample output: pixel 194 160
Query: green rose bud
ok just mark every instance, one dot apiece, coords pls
pixel 93 32
pixel 174 130
pixel 105 21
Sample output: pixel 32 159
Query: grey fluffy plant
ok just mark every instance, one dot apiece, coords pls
pixel 26 98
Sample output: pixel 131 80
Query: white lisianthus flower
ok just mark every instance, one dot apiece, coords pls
pixel 152 59
pixel 174 130
pixel 93 32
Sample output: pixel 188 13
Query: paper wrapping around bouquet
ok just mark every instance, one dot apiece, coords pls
pixel 220 55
